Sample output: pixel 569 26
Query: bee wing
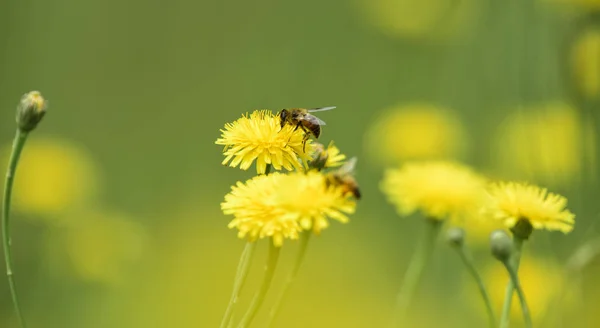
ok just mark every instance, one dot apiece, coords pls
pixel 320 109
pixel 348 167
pixel 313 119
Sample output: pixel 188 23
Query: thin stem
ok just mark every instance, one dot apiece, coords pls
pixel 514 277
pixel 240 281
pixel 304 238
pixel 466 258
pixel 18 145
pixel 415 270
pixel 259 297
pixel 510 287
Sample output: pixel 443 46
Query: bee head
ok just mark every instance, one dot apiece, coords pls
pixel 283 116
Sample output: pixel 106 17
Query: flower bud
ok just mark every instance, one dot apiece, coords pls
pixel 455 237
pixel 501 245
pixel 319 157
pixel 31 110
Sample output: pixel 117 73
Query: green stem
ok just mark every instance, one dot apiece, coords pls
pixel 17 148
pixel 304 238
pixel 510 287
pixel 468 261
pixel 415 270
pixel 514 277
pixel 259 297
pixel 240 281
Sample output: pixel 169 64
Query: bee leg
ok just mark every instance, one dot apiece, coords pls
pixel 304 140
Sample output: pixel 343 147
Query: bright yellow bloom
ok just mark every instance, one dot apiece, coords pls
pixel 417 131
pixel 511 202
pixel 259 137
pixel 335 157
pixel 280 206
pixel 439 190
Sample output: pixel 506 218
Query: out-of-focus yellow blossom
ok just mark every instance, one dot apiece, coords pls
pixel 99 246
pixel 280 206
pixel 588 4
pixel 415 132
pixel 585 58
pixel 542 281
pixel 511 202
pixel 420 19
pixel 439 190
pixel 547 143
pixel 54 176
pixel 259 137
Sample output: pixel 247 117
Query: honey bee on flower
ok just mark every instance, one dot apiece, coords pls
pixel 303 119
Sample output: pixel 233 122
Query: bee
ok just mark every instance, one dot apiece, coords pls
pixel 344 177
pixel 302 118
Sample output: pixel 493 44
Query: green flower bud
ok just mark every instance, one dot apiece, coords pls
pixel 501 245
pixel 31 110
pixel 455 237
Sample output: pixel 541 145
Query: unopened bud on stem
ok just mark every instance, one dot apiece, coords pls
pixel 455 237
pixel 31 110
pixel 501 245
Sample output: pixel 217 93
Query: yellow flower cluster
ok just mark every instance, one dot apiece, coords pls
pixel 279 206
pixel 442 190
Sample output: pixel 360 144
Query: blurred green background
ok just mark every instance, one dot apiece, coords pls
pixel 116 210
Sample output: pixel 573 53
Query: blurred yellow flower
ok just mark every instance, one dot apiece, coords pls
pixel 585 58
pixel 511 202
pixel 326 158
pixel 439 190
pixel 415 131
pixel 429 19
pixel 99 246
pixel 547 143
pixel 259 137
pixel 54 176
pixel 280 206
pixel 542 281
pixel 588 4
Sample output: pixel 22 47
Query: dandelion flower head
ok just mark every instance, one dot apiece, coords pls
pixel 439 190
pixel 511 202
pixel 415 131
pixel 281 205
pixel 259 137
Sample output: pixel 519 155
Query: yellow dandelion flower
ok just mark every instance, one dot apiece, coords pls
pixel 511 202
pixel 439 190
pixel 54 176
pixel 417 131
pixel 259 137
pixel 280 206
pixel 420 19
pixel 549 143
